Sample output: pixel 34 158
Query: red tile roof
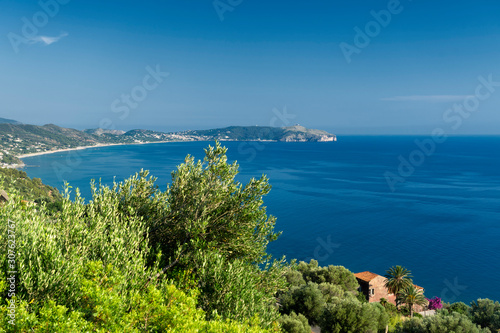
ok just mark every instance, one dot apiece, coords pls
pixel 366 276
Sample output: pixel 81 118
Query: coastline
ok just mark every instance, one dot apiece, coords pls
pixel 17 166
pixel 85 147
pixel 119 144
pixel 22 165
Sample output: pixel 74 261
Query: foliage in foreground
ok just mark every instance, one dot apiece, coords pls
pixel 209 224
pixel 189 259
pixel 145 240
pixel 440 323
pixel 103 307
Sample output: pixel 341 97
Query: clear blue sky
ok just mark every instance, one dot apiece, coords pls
pixel 77 66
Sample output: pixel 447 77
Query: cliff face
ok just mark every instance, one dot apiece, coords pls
pixel 301 134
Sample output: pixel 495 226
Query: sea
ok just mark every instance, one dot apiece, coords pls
pixel 363 202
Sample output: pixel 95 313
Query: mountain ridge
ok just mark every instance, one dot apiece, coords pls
pixel 8 121
pixel 17 139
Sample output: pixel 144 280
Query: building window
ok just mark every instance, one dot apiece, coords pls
pixel 372 292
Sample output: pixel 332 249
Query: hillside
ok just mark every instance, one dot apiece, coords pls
pixel 8 121
pixel 24 139
pixel 15 181
pixel 250 133
pixel 19 139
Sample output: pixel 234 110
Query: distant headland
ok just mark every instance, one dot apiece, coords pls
pixel 19 140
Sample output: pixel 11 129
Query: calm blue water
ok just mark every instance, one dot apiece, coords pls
pixel 334 204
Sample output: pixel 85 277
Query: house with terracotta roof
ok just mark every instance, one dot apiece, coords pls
pixel 373 287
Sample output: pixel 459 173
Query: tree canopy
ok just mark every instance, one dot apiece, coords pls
pixel 398 278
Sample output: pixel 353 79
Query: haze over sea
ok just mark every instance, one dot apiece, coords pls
pixel 334 204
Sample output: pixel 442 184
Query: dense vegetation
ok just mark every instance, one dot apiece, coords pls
pixel 23 139
pixel 16 181
pixel 8 159
pixel 191 258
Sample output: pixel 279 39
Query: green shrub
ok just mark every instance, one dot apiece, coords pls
pixel 440 323
pixel 234 289
pixel 331 291
pixel 306 299
pixel 104 308
pixel 294 323
pixel 294 278
pixel 486 313
pixel 51 252
pixel 206 209
pixel 17 182
pixel 353 316
pixel 337 275
pixel 459 307
pixel 95 265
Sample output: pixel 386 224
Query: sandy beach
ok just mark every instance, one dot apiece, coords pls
pixel 84 147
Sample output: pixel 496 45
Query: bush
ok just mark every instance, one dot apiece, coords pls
pixel 337 275
pixel 389 307
pixel 434 303
pixel 95 264
pixel 52 252
pixel 353 316
pixel 332 291
pixel 294 278
pixel 294 323
pixel 17 182
pixel 486 313
pixel 238 290
pixel 102 307
pixel 306 299
pixel 459 307
pixel 205 222
pixel 206 208
pixel 440 323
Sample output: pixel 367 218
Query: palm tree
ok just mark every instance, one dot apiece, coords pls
pixel 398 278
pixel 411 296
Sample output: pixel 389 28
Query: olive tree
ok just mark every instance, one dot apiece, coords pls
pixel 207 209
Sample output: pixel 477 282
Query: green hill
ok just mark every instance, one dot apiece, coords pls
pixel 8 121
pixel 12 180
pixel 24 139
pixel 249 133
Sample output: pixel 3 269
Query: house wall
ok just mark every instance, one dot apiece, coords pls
pixel 419 308
pixel 363 287
pixel 378 284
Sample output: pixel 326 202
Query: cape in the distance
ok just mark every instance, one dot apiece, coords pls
pixel 19 140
